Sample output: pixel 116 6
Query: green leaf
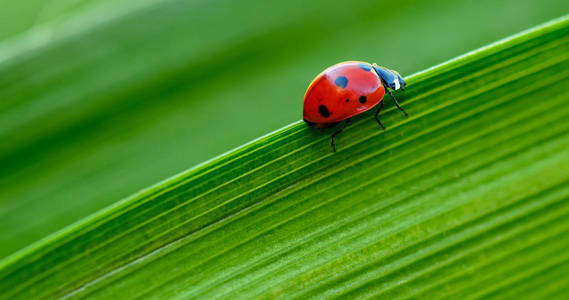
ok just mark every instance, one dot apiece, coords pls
pixel 102 98
pixel 466 198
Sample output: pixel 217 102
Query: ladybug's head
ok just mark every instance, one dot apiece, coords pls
pixel 390 77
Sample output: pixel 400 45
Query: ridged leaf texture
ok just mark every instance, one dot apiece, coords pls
pixel 468 197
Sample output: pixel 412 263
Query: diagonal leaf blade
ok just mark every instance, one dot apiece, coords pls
pixel 465 198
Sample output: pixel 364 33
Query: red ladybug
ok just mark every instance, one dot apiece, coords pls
pixel 347 89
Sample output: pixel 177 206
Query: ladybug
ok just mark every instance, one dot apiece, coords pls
pixel 348 89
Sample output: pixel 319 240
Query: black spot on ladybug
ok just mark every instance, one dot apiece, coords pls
pixel 363 99
pixel 341 81
pixel 347 100
pixel 365 66
pixel 323 110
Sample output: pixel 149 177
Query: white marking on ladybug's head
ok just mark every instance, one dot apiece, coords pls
pixel 390 78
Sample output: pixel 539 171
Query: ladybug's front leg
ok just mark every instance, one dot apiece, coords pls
pixel 348 121
pixel 394 100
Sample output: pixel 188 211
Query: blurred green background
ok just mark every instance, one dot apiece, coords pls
pixel 99 99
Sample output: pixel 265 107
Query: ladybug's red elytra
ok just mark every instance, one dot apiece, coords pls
pixel 347 89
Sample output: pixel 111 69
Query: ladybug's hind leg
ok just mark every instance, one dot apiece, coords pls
pixel 348 121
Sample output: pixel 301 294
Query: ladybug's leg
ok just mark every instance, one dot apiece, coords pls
pixel 348 121
pixel 394 100
pixel 377 113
